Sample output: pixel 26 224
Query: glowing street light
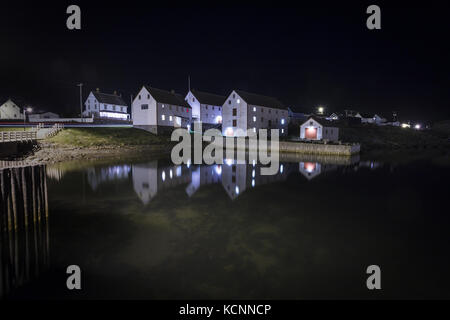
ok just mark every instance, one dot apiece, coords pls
pixel 24 115
pixel 320 109
pixel 417 126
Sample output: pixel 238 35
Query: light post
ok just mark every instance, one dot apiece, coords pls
pixel 24 115
pixel 320 110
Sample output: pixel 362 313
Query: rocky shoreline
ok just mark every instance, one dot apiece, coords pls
pixel 49 153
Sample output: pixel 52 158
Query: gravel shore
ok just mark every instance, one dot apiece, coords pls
pixel 49 153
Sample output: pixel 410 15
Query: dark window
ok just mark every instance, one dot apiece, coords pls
pixel 262 119
pixel 139 97
pixel 233 179
pixel 148 96
pixel 206 107
pixel 234 96
pixel 144 106
pixel 234 123
pixel 234 112
pixel 229 101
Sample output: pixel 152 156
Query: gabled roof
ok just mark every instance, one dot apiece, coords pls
pixel 163 96
pixel 209 98
pixel 259 100
pixel 108 98
pixel 321 121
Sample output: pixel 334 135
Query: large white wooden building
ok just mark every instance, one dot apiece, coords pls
pixel 318 129
pixel 105 106
pixel 160 111
pixel 244 112
pixel 10 111
pixel 206 107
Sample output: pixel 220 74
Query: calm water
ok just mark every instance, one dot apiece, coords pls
pixel 153 230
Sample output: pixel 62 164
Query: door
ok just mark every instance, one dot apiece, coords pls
pixel 311 133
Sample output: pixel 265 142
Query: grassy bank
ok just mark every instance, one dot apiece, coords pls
pixel 395 143
pixel 93 137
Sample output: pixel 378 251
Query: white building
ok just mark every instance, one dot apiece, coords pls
pixel 105 106
pixel 248 111
pixel 160 111
pixel 318 129
pixel 43 115
pixel 206 107
pixel 10 111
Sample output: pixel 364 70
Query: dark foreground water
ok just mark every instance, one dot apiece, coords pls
pixel 154 230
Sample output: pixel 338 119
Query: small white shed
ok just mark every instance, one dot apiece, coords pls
pixel 318 129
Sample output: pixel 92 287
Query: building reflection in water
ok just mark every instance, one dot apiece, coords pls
pixel 24 245
pixel 97 176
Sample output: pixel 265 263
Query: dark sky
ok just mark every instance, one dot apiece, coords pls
pixel 305 55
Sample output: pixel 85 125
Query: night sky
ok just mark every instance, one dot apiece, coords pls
pixel 321 53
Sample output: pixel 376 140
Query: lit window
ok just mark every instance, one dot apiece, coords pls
pixel 254 130
pixel 162 106
pixel 254 119
pixel 237 190
pixel 163 117
pixel 282 121
pixel 254 109
pixel 170 118
pixel 282 130
pixel 238 100
pixel 163 176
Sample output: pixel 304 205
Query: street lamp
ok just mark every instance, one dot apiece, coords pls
pixel 24 115
pixel 320 109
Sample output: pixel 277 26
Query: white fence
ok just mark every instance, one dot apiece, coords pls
pixel 13 136
pixel 81 120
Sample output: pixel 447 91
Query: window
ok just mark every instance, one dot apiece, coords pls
pixel 254 109
pixel 254 130
pixel 229 101
pixel 213 107
pixel 262 109
pixel 270 110
pixel 139 97
pixel 170 107
pixel 163 117
pixel 234 123
pixel 162 106
pixel 234 96
pixel 234 112
pixel 262 119
pixel 148 96
pixel 193 99
pixel 170 118
pixel 282 121
pixel 238 100
pixel 144 106
pixel 282 130
pixel 254 119
pixel 206 107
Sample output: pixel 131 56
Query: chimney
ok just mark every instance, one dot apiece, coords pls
pixel 98 90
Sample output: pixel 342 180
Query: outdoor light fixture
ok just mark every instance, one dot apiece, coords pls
pixel 320 109
pixel 406 125
pixel 417 126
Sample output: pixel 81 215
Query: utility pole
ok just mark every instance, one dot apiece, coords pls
pixel 131 106
pixel 81 103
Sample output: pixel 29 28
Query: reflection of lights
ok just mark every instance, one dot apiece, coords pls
pixel 406 125
pixel 310 166
pixel 218 169
pixel 253 182
pixel 163 176
pixel 188 127
pixel 170 174
pixel 113 115
pixel 254 162
pixel 178 171
pixel 219 119
pixel 188 164
pixel 254 119
pixel 237 190
pixel 282 121
pixel 229 162
pixel 229 131
pixel 253 173
pixel 281 168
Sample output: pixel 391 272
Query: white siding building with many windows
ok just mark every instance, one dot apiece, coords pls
pixel 243 112
pixel 160 111
pixel 206 107
pixel 106 106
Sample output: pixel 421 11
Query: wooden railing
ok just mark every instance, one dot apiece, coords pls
pixel 20 136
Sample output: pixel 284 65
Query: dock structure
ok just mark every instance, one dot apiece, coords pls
pixel 24 232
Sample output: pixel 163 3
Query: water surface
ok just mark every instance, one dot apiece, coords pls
pixel 151 229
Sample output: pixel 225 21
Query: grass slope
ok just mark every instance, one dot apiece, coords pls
pixel 90 137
